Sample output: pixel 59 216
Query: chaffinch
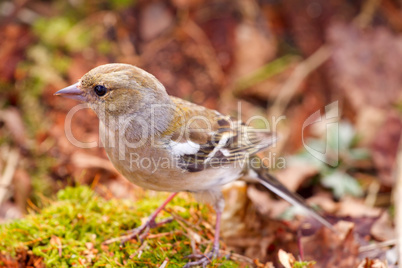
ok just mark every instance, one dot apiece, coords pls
pixel 164 143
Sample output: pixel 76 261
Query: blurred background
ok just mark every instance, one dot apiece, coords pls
pixel 287 58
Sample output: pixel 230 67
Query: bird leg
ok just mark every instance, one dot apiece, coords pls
pixel 204 259
pixel 142 231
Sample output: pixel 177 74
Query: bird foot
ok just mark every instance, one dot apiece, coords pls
pixel 202 259
pixel 140 233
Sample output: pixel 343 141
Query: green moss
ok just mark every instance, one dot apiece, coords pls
pixel 304 264
pixel 63 32
pixel 70 231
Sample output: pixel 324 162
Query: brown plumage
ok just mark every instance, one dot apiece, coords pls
pixel 189 147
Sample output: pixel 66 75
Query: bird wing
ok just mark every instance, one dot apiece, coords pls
pixel 205 138
pixel 210 139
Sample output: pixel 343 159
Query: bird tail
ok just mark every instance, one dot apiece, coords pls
pixel 279 189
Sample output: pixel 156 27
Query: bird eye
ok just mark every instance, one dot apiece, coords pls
pixel 100 90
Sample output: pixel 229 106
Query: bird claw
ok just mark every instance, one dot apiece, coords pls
pixel 203 259
pixel 140 233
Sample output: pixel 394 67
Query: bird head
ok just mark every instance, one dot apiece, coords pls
pixel 117 89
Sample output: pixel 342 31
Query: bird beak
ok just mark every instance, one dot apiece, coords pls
pixel 71 92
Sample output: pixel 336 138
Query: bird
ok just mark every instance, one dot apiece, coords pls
pixel 164 143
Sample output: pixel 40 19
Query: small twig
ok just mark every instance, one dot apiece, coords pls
pixel 118 263
pixel 300 244
pixel 372 193
pixel 192 242
pixel 8 174
pixel 163 222
pixel 263 73
pixel 377 245
pixel 32 205
pixel 398 202
pixel 139 251
pixel 181 220
pixel 206 49
pixel 235 256
pixel 55 240
pixel 164 263
pixel 367 13
pixel 35 240
pixel 124 238
pixel 152 236
pixel 95 181
pixel 207 249
pixel 189 235
pixel 297 77
pixel 316 60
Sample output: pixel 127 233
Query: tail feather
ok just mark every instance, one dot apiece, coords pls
pixel 278 188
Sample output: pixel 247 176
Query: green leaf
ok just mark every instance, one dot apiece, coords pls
pixel 347 135
pixel 359 154
pixel 342 184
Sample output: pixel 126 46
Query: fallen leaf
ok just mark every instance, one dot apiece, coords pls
pixel 286 259
pixel 330 249
pixel 325 201
pixel 368 263
pixel 252 49
pixel 385 147
pixel 56 241
pixel 265 204
pixel 15 39
pixel 369 120
pixel 295 175
pixel 22 188
pixel 83 160
pixel 363 67
pixel 236 201
pixel 14 123
pixel 383 229
pixel 154 19
pixel 356 208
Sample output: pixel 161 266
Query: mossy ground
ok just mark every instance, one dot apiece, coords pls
pixel 69 232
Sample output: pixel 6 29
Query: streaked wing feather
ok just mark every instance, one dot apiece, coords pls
pixel 219 138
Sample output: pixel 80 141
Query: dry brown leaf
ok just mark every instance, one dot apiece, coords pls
pixel 83 160
pixel 121 188
pixel 154 19
pixel 15 38
pixel 267 90
pixel 325 201
pixel 235 195
pixel 385 147
pixel 252 49
pixel 356 208
pixel 258 264
pixel 22 188
pixel 330 249
pixel 383 229
pixel 369 120
pixel 14 123
pixel 56 241
pixel 265 204
pixel 286 259
pixel 367 263
pixel 295 175
pixel 186 68
pixel 366 65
